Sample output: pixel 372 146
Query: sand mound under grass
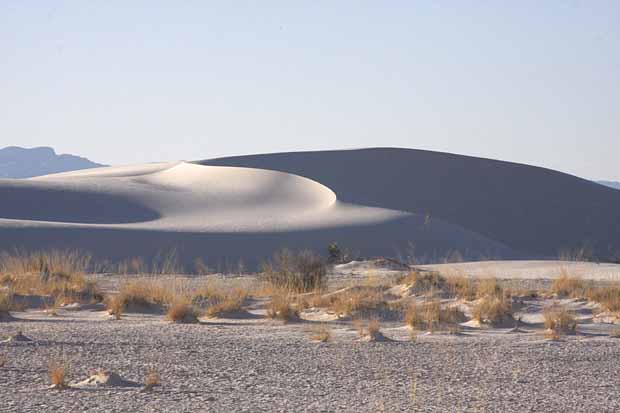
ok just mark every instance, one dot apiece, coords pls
pixel 104 378
pixel 377 337
pixel 17 337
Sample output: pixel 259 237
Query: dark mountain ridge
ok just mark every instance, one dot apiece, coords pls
pixel 17 162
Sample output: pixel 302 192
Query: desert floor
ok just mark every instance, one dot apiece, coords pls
pixel 252 363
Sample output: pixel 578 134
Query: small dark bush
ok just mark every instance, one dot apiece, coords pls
pixel 334 254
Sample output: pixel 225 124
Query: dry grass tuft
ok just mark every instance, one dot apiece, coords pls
pixel 5 304
pixel 488 287
pixel 374 328
pixel 115 305
pixel 145 293
pixel 3 360
pixel 360 301
pixel 493 305
pixel 51 273
pixel 368 329
pixel 462 287
pixel 151 379
pixel 559 320
pixel 228 305
pixel 165 263
pixel 315 300
pixel 607 296
pixel 226 302
pixel 431 315
pixel 181 311
pixel 282 307
pixel 424 283
pixel 358 324
pixel 321 334
pixel 567 285
pixel 53 305
pixel 492 310
pixel 552 335
pixel 418 316
pixel 413 335
pixel 297 272
pixel 57 371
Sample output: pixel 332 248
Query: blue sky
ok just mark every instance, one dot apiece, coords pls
pixel 130 81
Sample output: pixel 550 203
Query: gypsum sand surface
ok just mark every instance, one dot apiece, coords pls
pixel 261 365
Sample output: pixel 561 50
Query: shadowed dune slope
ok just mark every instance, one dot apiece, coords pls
pixel 35 201
pixel 224 251
pixel 528 208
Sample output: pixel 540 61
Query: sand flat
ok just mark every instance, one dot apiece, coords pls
pixel 531 270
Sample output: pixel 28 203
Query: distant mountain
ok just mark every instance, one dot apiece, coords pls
pixel 16 162
pixel 611 184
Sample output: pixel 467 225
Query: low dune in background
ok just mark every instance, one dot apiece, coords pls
pixel 221 214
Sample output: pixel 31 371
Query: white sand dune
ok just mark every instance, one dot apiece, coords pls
pixel 531 209
pixel 231 212
pixel 194 198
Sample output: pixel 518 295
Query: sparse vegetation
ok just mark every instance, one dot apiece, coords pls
pixel 53 304
pixel 5 304
pixel 413 335
pixel 559 320
pixel 461 287
pixel 453 257
pixel 359 301
pixel 424 283
pixel 301 272
pixel 374 328
pixel 370 329
pixel 181 311
pixel 164 263
pixel 147 293
pixel 201 267
pixel 567 285
pixel 321 334
pixel 489 287
pixel 418 316
pixel 143 293
pixel 493 306
pixel 281 307
pixel 607 296
pixel 492 309
pixel 54 273
pixel 228 303
pixel 151 379
pixel 57 371
pixel 583 253
pixel 220 299
pixel 430 315
pixel 115 305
